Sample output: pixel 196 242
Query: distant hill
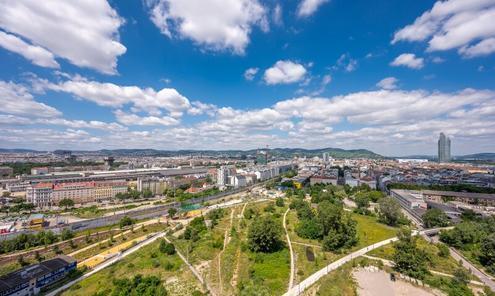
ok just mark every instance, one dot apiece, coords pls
pixel 277 152
pixel 15 150
pixel 477 156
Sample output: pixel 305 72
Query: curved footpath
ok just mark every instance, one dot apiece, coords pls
pixel 292 263
pixel 312 279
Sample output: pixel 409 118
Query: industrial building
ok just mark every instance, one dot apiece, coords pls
pixel 31 279
pixel 409 199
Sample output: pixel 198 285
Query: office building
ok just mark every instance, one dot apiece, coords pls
pixel 443 148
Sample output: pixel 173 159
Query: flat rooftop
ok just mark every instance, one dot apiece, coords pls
pixel 14 279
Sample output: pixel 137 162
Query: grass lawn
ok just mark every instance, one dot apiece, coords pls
pixel 305 267
pixel 337 283
pixel 147 261
pixel 435 262
pixel 369 231
pixel 271 270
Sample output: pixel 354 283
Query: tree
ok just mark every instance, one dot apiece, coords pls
pixel 264 235
pixel 172 212
pixel 362 201
pixel 122 196
pixel 435 218
pixel 139 285
pixel 21 261
pixel 390 212
pixel 37 256
pixel 487 252
pixel 443 251
pixel 463 234
pixel 66 234
pixel 279 202
pixel 309 228
pixel 166 247
pixel 344 235
pixel 147 193
pixel 66 203
pixel 125 221
pixel 408 258
pixel 195 228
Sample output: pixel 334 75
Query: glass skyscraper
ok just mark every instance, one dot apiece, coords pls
pixel 443 148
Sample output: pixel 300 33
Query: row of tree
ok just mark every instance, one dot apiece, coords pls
pixel 25 241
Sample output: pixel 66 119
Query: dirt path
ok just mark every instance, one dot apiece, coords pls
pixel 233 282
pixel 292 263
pixel 307 245
pixel 226 241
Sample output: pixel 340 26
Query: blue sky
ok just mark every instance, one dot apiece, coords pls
pixel 240 74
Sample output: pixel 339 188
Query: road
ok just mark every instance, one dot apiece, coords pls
pixel 487 280
pixel 309 281
pixel 477 272
pixel 292 263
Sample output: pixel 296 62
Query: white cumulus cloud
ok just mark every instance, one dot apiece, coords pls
pixel 285 72
pixel 217 25
pixel 250 73
pixel 455 24
pixel 408 60
pixel 388 83
pixel 16 99
pixel 36 54
pixel 83 32
pixel 308 7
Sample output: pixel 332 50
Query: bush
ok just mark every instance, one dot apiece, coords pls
pixel 166 248
pixel 168 266
pixel 309 229
pixel 139 285
pixel 443 251
pixel 279 202
pixel 126 221
pixel 269 208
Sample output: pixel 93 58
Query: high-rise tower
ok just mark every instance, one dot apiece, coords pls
pixel 443 148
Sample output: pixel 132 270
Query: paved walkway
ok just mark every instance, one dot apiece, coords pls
pixel 107 263
pixel 292 263
pixel 312 279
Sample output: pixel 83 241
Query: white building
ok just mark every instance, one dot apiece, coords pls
pixel 40 194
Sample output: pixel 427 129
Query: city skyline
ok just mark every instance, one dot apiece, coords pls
pixel 303 74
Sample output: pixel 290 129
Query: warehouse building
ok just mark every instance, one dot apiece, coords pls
pixel 31 279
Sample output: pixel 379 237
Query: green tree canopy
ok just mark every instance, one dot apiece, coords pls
pixel 408 258
pixel 264 235
pixel 66 203
pixel 390 212
pixel 435 218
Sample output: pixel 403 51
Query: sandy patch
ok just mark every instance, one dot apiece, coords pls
pixel 378 283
